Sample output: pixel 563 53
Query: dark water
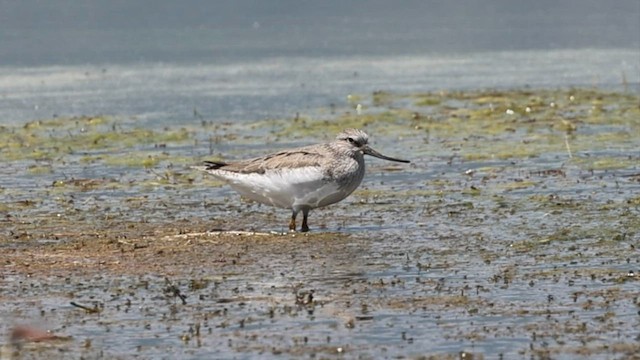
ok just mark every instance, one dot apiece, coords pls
pixel 97 32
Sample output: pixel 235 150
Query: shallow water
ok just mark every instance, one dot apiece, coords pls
pixel 513 233
pixel 158 95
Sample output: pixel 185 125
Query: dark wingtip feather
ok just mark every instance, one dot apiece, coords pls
pixel 214 165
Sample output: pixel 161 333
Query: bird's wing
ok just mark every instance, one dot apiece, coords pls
pixel 288 159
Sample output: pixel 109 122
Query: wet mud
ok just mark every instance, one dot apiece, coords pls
pixel 514 233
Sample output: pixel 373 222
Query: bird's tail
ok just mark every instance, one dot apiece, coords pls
pixel 210 165
pixel 214 165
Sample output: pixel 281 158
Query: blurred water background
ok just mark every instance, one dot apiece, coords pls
pixel 162 61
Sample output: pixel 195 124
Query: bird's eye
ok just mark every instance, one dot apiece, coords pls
pixel 351 141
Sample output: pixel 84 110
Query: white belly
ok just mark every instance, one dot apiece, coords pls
pixel 292 188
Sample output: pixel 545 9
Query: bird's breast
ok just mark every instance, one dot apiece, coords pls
pixel 342 180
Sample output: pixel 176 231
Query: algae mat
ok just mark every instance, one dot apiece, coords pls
pixel 514 233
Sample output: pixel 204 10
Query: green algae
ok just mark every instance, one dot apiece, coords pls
pixel 605 163
pixel 56 138
pixel 86 184
pixel 423 100
pixel 59 122
pixel 40 169
pixel 381 98
pixel 138 159
pixel 516 124
pixel 307 127
pixel 516 185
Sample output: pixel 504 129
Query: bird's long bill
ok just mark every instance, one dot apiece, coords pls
pixel 369 151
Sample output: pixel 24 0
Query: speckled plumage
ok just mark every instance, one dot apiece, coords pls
pixel 301 179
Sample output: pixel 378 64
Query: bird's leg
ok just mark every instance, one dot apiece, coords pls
pixel 292 223
pixel 305 214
